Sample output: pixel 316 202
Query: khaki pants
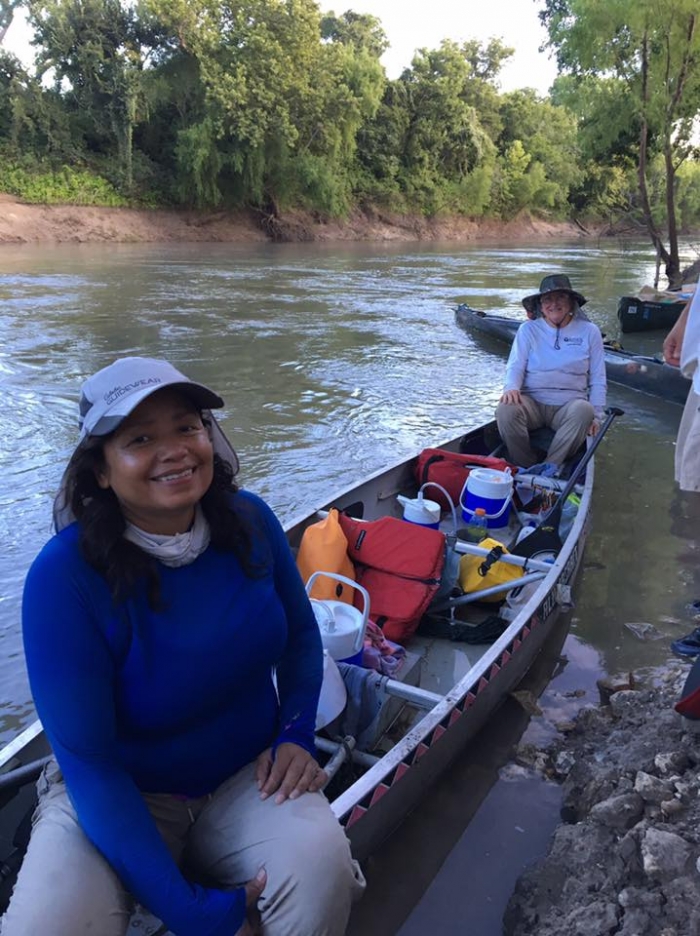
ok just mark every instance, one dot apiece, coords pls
pixel 570 422
pixel 66 888
pixel 688 445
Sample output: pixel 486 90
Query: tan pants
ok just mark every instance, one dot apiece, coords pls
pixel 66 888
pixel 570 422
pixel 688 445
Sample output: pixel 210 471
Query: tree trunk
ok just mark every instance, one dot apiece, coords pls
pixel 654 234
pixel 673 264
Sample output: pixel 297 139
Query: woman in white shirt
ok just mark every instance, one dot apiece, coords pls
pixel 555 375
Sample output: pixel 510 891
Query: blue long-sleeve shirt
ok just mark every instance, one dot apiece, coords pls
pixel 172 701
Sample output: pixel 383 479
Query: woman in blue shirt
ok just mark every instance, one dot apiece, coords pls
pixel 176 665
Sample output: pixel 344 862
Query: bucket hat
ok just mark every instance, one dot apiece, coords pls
pixel 113 393
pixel 555 282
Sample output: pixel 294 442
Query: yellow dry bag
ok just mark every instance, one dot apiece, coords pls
pixel 476 573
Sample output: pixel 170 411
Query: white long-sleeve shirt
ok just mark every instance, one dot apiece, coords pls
pixel 690 349
pixel 554 375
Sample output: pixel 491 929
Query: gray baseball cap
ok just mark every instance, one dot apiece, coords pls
pixel 114 392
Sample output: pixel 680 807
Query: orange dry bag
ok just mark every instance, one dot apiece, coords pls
pixel 324 548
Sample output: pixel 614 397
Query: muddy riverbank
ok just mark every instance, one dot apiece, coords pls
pixel 23 223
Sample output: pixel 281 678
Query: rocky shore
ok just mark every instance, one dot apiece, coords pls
pixel 626 858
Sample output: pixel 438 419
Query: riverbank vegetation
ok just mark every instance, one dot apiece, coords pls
pixel 273 106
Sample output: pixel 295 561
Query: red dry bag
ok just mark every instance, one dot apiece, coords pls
pixel 450 470
pixel 400 565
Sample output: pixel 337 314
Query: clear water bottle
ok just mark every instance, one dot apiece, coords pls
pixel 568 515
pixel 477 528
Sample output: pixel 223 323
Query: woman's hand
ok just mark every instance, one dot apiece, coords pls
pixel 511 396
pixel 594 427
pixel 253 891
pixel 672 348
pixel 674 340
pixel 293 772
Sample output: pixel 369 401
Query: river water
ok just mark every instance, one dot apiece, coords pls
pixel 334 361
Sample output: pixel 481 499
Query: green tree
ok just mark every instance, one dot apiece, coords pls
pixel 359 30
pixel 608 141
pixel 652 49
pixel 444 140
pixel 281 106
pixel 431 144
pixel 481 91
pixel 540 160
pixel 96 48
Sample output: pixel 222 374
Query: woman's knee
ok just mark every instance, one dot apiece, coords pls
pixel 312 887
pixel 510 414
pixel 580 411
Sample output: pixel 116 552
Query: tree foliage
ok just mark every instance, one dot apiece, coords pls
pixel 540 163
pixel 273 104
pixel 651 50
pixel 94 50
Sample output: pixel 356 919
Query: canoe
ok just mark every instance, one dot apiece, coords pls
pixel 637 371
pixel 446 691
pixel 638 314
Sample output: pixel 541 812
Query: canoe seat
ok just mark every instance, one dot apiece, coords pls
pixel 541 439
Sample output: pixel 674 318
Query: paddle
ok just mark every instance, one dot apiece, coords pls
pixel 545 537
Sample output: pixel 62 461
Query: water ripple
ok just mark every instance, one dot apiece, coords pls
pixel 334 360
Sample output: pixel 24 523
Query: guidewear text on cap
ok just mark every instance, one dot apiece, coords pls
pixel 110 395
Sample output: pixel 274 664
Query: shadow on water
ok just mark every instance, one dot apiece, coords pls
pixel 452 865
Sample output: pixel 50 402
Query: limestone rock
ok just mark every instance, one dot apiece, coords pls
pixel 652 789
pixel 619 812
pixel 665 855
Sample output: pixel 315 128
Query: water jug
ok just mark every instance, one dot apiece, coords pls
pixel 490 489
pixel 333 693
pixel 420 511
pixel 342 625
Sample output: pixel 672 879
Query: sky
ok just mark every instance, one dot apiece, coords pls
pixel 415 24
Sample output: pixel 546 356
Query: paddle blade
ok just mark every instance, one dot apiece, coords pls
pixel 543 539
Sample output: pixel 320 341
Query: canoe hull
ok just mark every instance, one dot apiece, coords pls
pixel 398 784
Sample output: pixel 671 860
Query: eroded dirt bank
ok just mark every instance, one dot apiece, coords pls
pixel 22 223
